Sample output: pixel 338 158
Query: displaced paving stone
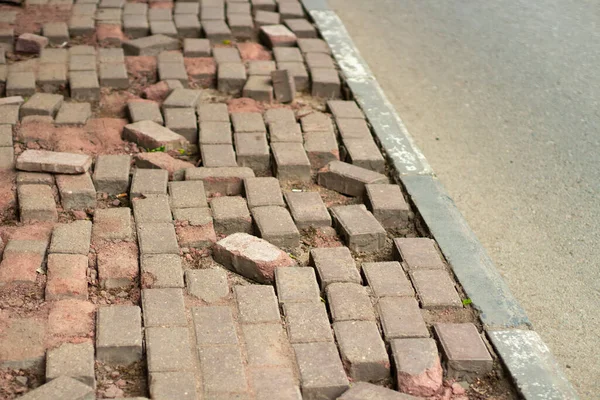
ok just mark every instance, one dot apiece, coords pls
pixel 285 54
pixel 81 25
pixel 387 279
pixel 61 388
pixel 119 334
pixel 111 174
pixel 252 151
pixel 84 85
pixel 183 122
pixel 266 345
pixel 30 43
pixel 307 322
pixel 264 191
pixel 435 289
pixel 217 31
pixel 194 216
pixel 321 371
pixel 307 209
pixel 77 192
pixel 284 85
pixel 187 194
pixel 34 178
pixel 73 114
pixel 182 98
pixel 349 302
pixel 226 55
pixel 150 135
pixel 173 385
pixel 347 178
pixel 73 360
pixel 285 132
pixel 334 264
pixel 214 325
pixel 296 285
pixel 215 132
pixel 67 277
pixel 144 110
pixel 388 206
pixel 157 239
pixel 231 215
pixel 112 224
pixel 113 76
pixel 158 160
pixel 149 182
pixel 465 354
pixel 168 349
pixel 36 203
pixel 209 285
pixel 321 148
pixel 277 36
pixel 364 153
pixel 22 260
pixel 418 253
pixel 41 104
pixel 214 112
pixel 72 238
pixel 301 27
pixel 365 390
pixel 54 162
pixel 418 368
pixel 163 307
pixel 266 381
pixel 117 265
pixel 256 304
pixel 276 226
pixel 299 72
pixel 150 45
pixel 173 71
pixel 20 83
pixel 161 271
pixel 231 78
pixel 222 371
pixel 401 318
pixel 291 162
pixel 258 88
pixel 359 228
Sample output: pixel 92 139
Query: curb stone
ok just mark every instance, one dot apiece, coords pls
pixel 532 367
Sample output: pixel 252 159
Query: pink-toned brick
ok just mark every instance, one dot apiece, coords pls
pixel 118 265
pixel 71 318
pixel 197 237
pixel 20 267
pixel 67 277
pixel 21 342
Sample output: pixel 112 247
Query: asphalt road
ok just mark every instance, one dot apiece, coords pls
pixel 503 99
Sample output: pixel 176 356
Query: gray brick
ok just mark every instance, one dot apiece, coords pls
pixel 465 354
pixel 365 390
pixel 267 381
pixel 56 32
pixel 284 85
pixel 215 132
pixel 226 181
pixel 363 351
pixel 313 46
pixel 321 370
pixel 322 60
pixel 231 215
pixel 417 365
pixel 290 9
pixel 111 3
pixel 256 304
pixel 388 205
pixel 9 114
pixel 7 158
pixel 262 18
pixel 41 104
pixel 119 334
pixel 287 54
pixel 173 71
pixel 111 56
pixel 73 360
pixel 307 209
pixel 84 85
pixel 342 109
pixel 217 31
pixel 135 26
pixel 301 28
pixel 261 67
pixel 276 226
pixel 209 285
pixel 157 239
pixel 73 114
pixel 252 151
pixel 82 62
pixel 285 132
pixel 196 47
pixel 182 98
pixel 52 77
pixel 307 322
pixel 222 371
pixel 183 122
pixel 347 178
pixel 194 216
pixel 61 388
pixel 435 289
pixel 349 302
pixel 186 8
pixel 6 136
pixel 150 45
pixel 111 174
pixel 148 182
pixel 34 178
pixel 112 224
pixel 163 307
pixel 20 84
pixel 291 162
pixel 135 9
pixel 212 13
pixel 81 25
pixel 173 385
pixel 161 271
pixel 364 153
pixel 241 7
pixel 266 345
pixel 55 162
pixel 226 55
pixel 359 228
pixel 264 191
pixel 77 192
pixel 218 155
pixel 187 194
pixel 401 318
pixel 387 279
pixel 259 88
pixel 241 25
pixel 160 14
pixel 214 325
pixel 187 25
pixel 316 122
pixel 418 253
pixel 325 83
pixel 277 36
pixel 231 78
pixel 168 349
pixel 144 110
pixel 296 285
pixel 248 122
pixel 72 238
pixel 166 28
pixel 299 72
pixel 334 264
pixel 321 148
pixel 114 76
pixel 170 57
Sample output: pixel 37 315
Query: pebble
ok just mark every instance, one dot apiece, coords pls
pixel 113 392
pixel 116 203
pixel 22 380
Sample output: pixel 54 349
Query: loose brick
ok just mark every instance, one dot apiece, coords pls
pixel 84 85
pixel 299 72
pixel 262 18
pixel 418 253
pixel 387 279
pixel 168 349
pixel 360 230
pixel 266 345
pixel 144 110
pixel 276 226
pixel 334 264
pixel 418 368
pixel 209 285
pixel 163 307
pixel 54 162
pixel 258 88
pixel 194 216
pixel 321 371
pixel 364 153
pixel 313 46
pixel 285 132
pixel 325 83
pixel 187 194
pixel 119 334
pixel 252 151
pixel 77 192
pixel 73 360
pixel 225 180
pixel 232 78
pixel 117 265
pixel 261 67
pixel 388 206
pixel 316 122
pixel 174 167
pixel 214 112
pixel 301 27
pixel 401 318
pixel 222 370
pixel 113 76
pixel 231 215
pixel 149 182
pixel 321 148
pixel 277 36
pixel 217 31
pixel 20 83
pixel 263 192
pixel 196 47
pixel 72 238
pixel 61 388
pixel 36 203
pixel 284 85
pixel 250 256
pixel 256 304
pixel 342 109
pixel 307 322
pixel 242 26
pixel 296 285
pixel 215 132
pixel 349 302
pixel 267 381
pixel 150 45
pixel 157 239
pixel 67 277
pixel 347 178
pixel 363 351
pixel 150 135
pixel 291 162
pixel 41 104
pixel 307 209
pixel 112 224
pixel 465 354
pixel 218 155
pixel 173 385
pixel 34 178
pixel 173 71
pixel 111 174
pixel 161 271
pixel 183 122
pixel 435 289
pixel 214 325
pixel 73 114
pixel 22 259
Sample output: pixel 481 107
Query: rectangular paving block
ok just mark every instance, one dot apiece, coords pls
pixel 67 277
pixel 248 122
pixel 193 47
pixel 435 288
pixel 62 387
pixel 222 371
pixel 187 25
pixel 262 18
pixel 163 307
pixel 285 131
pixel 7 157
pixel 359 228
pixel 118 265
pixel 9 114
pixel 161 271
pixel 82 25
pixel 215 112
pixel 365 390
pixel 216 30
pixel 275 225
pixel 34 178
pixel 209 285
pixel 288 54
pixel 231 215
pixel 226 54
pixel 119 334
pixel 345 109
pixel 465 354
pixel 316 122
pixel 325 83
pixel 224 180
pixel 218 155
pixel 353 129
pixel 349 302
pixel 113 76
pixel 363 351
pixel 267 345
pixel 291 162
pixel 284 85
pixel 173 385
pixel 75 360
pixel 55 56
pixel 194 216
pixel 183 122
pixel 321 371
pixel 148 182
pixel 415 359
pixel 266 381
pixel 418 253
pixel 84 85
pixel 77 192
pixel 231 78
pixel 401 318
pixel 54 162
pixel 307 322
pixel 56 32
pixel 160 14
pixel 215 132
pixel 307 209
pixel 347 178
pixel 36 203
pixel 364 153
pixel 214 325
pixel 144 110
pixel 263 191
pixel 388 206
pixel 157 239
pixel 256 304
pixel 112 224
pixel 150 135
pixel 387 279
pixel 252 151
pixel 261 67
pixel 296 285
pixel 168 349
pixel 111 174
pixel 20 83
pixel 301 28
pixel 173 71
pixel 41 104
pixel 277 36
pixel 135 26
pixel 334 264
pixel 166 28
pixel 152 209
pixel 187 194
pixel 73 114
pixel 150 45
pixel 321 148
pixel 258 88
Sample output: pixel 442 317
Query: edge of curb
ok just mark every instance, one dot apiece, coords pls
pixel 532 367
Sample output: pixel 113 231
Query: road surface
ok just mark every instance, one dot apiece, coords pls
pixel 503 99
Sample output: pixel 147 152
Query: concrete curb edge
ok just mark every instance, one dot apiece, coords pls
pixel 532 367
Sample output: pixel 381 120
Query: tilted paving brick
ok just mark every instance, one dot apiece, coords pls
pixel 117 265
pixel 299 72
pixel 173 385
pixel 218 155
pixel 307 322
pixel 174 167
pixel 418 253
pixel 321 148
pixel 34 178
pixel 388 206
pixel 334 264
pixel 217 31
pixel 307 209
pixel 222 371
pixel 256 304
pixel 250 256
pixel 231 78
pixel 435 288
pixel 73 360
pixel 61 388
pixel 163 307
pixel 215 132
pixel 84 85
pixel 111 174
pixel 72 238
pixel 77 192
pixel 348 179
pixel 465 354
pixel 296 285
pixel 261 67
pixel 149 182
pixel 359 228
pixel 214 325
pixel 150 45
pixel 401 318
pixel 41 104
pixel 313 46
pixel 349 302
pixel 157 239
pixel 262 18
pixel 73 114
pixel 387 279
pixel 36 203
pixel 285 132
pixel 266 381
pixel 291 161
pixel 263 191
pixel 363 351
pixel 161 271
pixel 301 27
pixel 284 85
pixel 209 285
pixel 231 215
pixel 365 390
pixel 112 224
pixel 21 261
pixel 214 112
pixel 20 84
pixel 224 180
pixel 183 122
pixel 187 194
pixel 417 364
pixel 364 153
pixel 113 76
pixel 277 36
pixel 144 110
pixel 288 54
pixel 168 349
pixel 276 226
pixel 252 151
pixel 150 135
pixel 258 88
pixel 119 334
pixel 67 277
pixel 267 345
pixel 55 162
pixel 321 371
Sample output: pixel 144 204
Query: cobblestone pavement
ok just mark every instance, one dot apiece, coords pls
pixel 191 210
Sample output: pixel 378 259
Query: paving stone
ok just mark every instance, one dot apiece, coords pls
pixel 152 209
pixel 307 209
pixel 321 60
pixel 313 46
pixel 287 55
pixel 285 132
pixel 212 112
pixel 182 98
pixel 363 351
pixel 7 157
pixel 41 104
pixel 186 8
pixel 276 226
pixel 262 18
pixel 208 13
pixel 136 26
pixel 9 114
pixel 170 57
pixel 231 78
pixel 266 381
pixel 173 71
pixel 114 76
pixel 387 279
pixel 70 319
pixel 150 135
pixel 359 228
pixel 435 288
pixel 238 8
pixel 347 178
pixel 158 160
pixel 334 264
pixel 166 28
pixel 22 343
pixel 261 67
pixel 215 132
pixel 226 180
pixel 258 88
pixel 401 318
pixel 73 360
pixel 418 253
pixel 214 325
pixel 266 345
pixel 187 194
pixel 111 3
pixel 160 14
pixel 349 302
pixel 364 153
pixel 222 371
pixel 77 192
pixel 256 304
pixel 465 354
pixel 119 334
pixel 218 155
pixel 284 85
pixel 231 215
pixel 183 122
pixel 111 174
pixel 198 236
pixel 34 178
pixel 307 322
pixel 56 32
pixel 173 385
pixel 144 110
pixel 163 307
pixel 30 43
pixel 291 9
pixel 417 364
pixel 209 285
pixel 277 36
pixel 84 85
pixel 73 114
pixel 321 371
pixel 264 191
pixel 61 388
pixel 187 25
pixel 135 9
pixel 301 27
pixel 296 285
pixel 388 206
pixel 196 47
pixel 241 25
pixel 291 162
pixel 267 5
pixel 36 203
pixel 194 216
pixel 157 239
pixel 67 277
pixel 52 77
pixel 82 50
pixel 168 349
pixel 22 259
pixel 150 45
pixel 82 62
pixel 72 238
pixel 81 25
pixel 325 83
pixel 20 84
pixel 118 265
pixel 248 122
pixel 299 72
pixel 252 151
pixel 217 31
pixel 112 224
pixel 321 148
pixel 344 109
pixel 365 390
pixel 316 122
